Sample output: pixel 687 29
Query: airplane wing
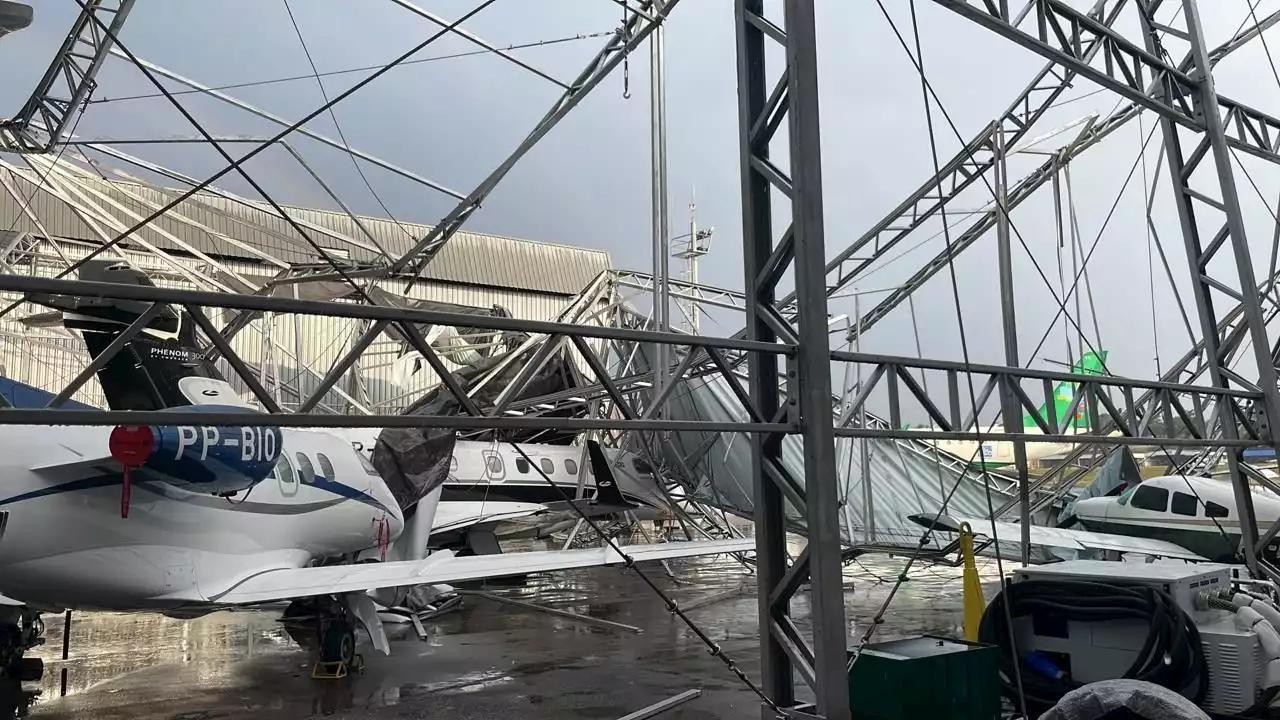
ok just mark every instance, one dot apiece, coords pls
pixel 69 461
pixel 456 514
pixel 1063 537
pixel 443 567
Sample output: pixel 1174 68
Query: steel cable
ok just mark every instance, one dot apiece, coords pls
pixel 629 563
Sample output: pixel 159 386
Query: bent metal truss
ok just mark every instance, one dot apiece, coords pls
pixel 785 349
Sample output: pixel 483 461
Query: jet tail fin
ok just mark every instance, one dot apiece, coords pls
pixel 1090 363
pixel 607 492
pixel 148 373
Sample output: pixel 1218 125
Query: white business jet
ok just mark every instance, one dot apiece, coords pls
pixel 191 519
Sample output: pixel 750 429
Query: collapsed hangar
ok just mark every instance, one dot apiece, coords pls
pixel 57 212
pixel 218 241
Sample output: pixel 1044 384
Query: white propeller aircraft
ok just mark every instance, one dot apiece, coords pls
pixel 191 519
pixel 1181 517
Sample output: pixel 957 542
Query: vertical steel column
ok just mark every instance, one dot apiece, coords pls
pixel 757 239
pixel 808 375
pixel 1181 168
pixel 66 650
pixel 864 446
pixel 658 181
pixel 1010 407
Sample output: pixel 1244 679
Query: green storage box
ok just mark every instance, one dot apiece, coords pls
pixel 926 677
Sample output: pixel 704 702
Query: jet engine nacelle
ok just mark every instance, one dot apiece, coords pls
pixel 218 460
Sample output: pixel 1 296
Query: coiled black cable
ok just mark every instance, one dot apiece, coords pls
pixel 1171 656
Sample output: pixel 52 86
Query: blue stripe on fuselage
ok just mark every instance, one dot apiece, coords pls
pixel 348 492
pixel 88 483
pixel 98 481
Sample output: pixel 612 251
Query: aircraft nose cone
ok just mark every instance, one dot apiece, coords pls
pixel 1091 507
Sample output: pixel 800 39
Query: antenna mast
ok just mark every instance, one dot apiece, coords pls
pixel 694 245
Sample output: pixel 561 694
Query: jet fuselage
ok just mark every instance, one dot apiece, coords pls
pixel 66 544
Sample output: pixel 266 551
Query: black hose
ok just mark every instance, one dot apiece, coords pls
pixel 1262 708
pixel 1171 657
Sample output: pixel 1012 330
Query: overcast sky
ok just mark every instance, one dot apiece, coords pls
pixel 587 184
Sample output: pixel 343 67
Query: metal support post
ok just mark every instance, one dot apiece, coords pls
pixel 807 393
pixel 864 446
pixel 661 244
pixel 1010 408
pixel 66 650
pixel 1190 203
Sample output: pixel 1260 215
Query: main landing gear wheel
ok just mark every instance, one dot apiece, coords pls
pixel 20 630
pixel 338 657
pixel 326 628
pixel 338 642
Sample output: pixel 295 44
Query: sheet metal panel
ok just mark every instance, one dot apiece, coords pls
pixel 468 258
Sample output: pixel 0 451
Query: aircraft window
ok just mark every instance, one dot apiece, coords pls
pixel 367 464
pixel 522 465
pixel 570 466
pixel 1183 504
pixel 1149 497
pixel 548 467
pixel 284 471
pixel 306 471
pixel 1124 496
pixel 642 467
pixel 494 464
pixel 326 467
pixel 1214 510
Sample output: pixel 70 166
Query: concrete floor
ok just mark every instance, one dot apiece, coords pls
pixel 486 661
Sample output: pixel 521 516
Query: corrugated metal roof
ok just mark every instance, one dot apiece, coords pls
pixel 49 358
pixel 224 228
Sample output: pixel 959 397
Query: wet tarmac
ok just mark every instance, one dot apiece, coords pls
pixel 486 660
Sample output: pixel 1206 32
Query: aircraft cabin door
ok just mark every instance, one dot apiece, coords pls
pixel 494 469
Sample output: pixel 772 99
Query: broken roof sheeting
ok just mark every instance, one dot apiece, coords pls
pixel 468 258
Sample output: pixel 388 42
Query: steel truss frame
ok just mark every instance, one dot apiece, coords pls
pixel 1146 413
pixel 944 188
pixel 640 23
pixel 66 86
pixel 1167 413
pixel 968 166
pixel 1184 98
pixel 763 105
pixel 628 414
pixel 1058 479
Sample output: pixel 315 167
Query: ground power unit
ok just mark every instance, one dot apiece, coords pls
pixel 1104 649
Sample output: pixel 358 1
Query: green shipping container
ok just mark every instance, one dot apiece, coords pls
pixel 924 678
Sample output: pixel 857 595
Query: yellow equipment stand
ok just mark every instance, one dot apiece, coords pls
pixel 974 602
pixel 337 669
